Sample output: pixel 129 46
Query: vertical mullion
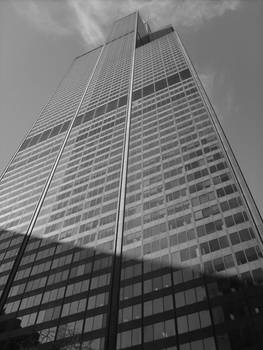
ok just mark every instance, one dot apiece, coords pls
pixel 43 195
pixel 40 114
pixel 229 154
pixel 112 327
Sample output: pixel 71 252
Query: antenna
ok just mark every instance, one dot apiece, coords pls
pixel 147 26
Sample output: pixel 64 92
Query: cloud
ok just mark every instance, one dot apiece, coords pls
pixel 43 15
pixel 91 19
pixel 221 93
pixel 93 16
pixel 211 83
pixel 208 81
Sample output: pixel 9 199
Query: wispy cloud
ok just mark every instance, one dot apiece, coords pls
pixel 220 92
pixel 208 81
pixel 43 15
pixel 92 18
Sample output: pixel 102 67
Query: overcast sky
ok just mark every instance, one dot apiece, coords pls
pixel 40 38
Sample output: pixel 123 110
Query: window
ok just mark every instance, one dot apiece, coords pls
pixel 206 212
pixel 188 253
pixel 129 338
pixel 193 321
pixel 158 305
pixel 95 322
pixel 159 330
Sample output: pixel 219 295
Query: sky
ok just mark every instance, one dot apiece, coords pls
pixel 40 38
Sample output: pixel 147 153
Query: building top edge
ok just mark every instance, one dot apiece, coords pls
pixel 85 53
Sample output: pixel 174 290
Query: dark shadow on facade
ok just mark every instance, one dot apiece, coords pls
pixel 71 297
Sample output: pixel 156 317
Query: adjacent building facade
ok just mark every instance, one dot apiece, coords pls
pixel 125 220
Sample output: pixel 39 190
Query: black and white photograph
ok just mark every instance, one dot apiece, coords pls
pixel 131 169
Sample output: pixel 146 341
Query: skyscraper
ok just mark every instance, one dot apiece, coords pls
pixel 125 219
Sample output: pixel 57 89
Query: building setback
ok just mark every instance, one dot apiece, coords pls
pixel 125 220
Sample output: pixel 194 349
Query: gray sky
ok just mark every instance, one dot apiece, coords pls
pixel 40 38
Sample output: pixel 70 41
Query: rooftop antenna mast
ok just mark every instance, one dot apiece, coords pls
pixel 147 26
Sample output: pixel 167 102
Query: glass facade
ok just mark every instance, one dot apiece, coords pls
pixel 125 219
